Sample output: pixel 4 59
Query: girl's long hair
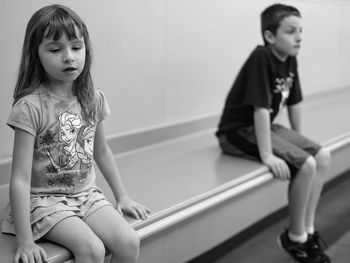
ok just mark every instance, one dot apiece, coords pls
pixel 51 22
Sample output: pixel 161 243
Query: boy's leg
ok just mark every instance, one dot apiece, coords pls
pixel 116 233
pixel 282 140
pixel 299 194
pixel 322 166
pixel 322 160
pixel 74 234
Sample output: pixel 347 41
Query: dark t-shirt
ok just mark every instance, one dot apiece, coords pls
pixel 263 81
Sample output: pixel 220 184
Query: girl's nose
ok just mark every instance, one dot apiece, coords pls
pixel 68 56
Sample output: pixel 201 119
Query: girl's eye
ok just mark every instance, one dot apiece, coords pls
pixel 54 50
pixel 77 47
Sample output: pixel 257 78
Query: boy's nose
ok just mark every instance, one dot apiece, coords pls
pixel 298 37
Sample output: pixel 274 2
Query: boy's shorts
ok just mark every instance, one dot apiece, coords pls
pixel 287 144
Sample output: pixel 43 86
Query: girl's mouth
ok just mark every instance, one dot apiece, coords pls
pixel 69 69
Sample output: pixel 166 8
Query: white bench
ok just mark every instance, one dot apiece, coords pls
pixel 198 196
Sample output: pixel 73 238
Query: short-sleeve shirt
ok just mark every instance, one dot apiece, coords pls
pixel 263 81
pixel 64 141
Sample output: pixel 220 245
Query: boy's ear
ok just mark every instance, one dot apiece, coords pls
pixel 269 37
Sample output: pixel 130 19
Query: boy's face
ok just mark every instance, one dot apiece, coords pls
pixel 286 41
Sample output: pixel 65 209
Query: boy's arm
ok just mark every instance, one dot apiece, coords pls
pixel 106 163
pixel 20 197
pixel 263 136
pixel 294 114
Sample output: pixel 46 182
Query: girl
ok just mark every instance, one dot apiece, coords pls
pixel 52 190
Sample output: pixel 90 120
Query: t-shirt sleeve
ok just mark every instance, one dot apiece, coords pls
pixel 24 116
pixel 258 91
pixel 104 108
pixel 295 95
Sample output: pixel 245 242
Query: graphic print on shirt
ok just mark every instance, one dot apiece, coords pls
pixel 70 154
pixel 283 86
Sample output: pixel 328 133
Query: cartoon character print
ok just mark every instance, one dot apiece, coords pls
pixel 86 145
pixel 69 125
pixel 64 171
pixel 283 86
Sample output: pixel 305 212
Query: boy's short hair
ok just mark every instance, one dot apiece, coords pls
pixel 272 16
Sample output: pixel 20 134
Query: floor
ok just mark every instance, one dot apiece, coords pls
pixel 332 221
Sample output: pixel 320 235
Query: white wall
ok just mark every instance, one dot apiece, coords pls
pixel 164 61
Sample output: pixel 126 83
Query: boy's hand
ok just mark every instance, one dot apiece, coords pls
pixel 29 252
pixel 278 167
pixel 129 206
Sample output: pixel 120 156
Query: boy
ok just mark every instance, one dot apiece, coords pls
pixel 267 81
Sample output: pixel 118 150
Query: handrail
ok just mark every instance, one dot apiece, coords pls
pixel 171 220
pixel 197 199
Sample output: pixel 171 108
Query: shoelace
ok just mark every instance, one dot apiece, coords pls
pixel 319 241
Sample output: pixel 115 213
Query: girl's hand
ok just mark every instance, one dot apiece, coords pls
pixel 278 167
pixel 29 252
pixel 129 206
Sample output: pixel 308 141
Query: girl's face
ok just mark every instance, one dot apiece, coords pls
pixel 63 60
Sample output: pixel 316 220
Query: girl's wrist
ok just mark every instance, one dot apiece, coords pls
pixel 25 240
pixel 119 196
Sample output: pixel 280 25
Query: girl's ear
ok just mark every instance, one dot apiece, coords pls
pixel 269 37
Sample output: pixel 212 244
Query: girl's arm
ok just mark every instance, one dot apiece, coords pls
pixel 20 198
pixel 106 163
pixel 294 114
pixel 263 136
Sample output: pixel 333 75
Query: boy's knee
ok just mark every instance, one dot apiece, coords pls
pixel 309 167
pixel 323 158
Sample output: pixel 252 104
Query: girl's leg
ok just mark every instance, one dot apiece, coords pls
pixel 116 233
pixel 322 166
pixel 74 234
pixel 299 195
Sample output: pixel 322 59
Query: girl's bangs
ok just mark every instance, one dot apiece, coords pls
pixel 57 25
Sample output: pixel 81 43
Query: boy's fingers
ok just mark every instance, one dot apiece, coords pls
pixel 24 258
pixel 16 259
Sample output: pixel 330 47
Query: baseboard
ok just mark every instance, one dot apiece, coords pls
pixel 121 143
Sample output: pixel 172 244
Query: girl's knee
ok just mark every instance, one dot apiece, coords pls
pixel 129 249
pixel 91 251
pixel 323 158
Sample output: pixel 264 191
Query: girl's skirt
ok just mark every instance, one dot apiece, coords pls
pixel 48 210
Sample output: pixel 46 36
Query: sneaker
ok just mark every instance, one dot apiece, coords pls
pixel 317 246
pixel 317 241
pixel 301 252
